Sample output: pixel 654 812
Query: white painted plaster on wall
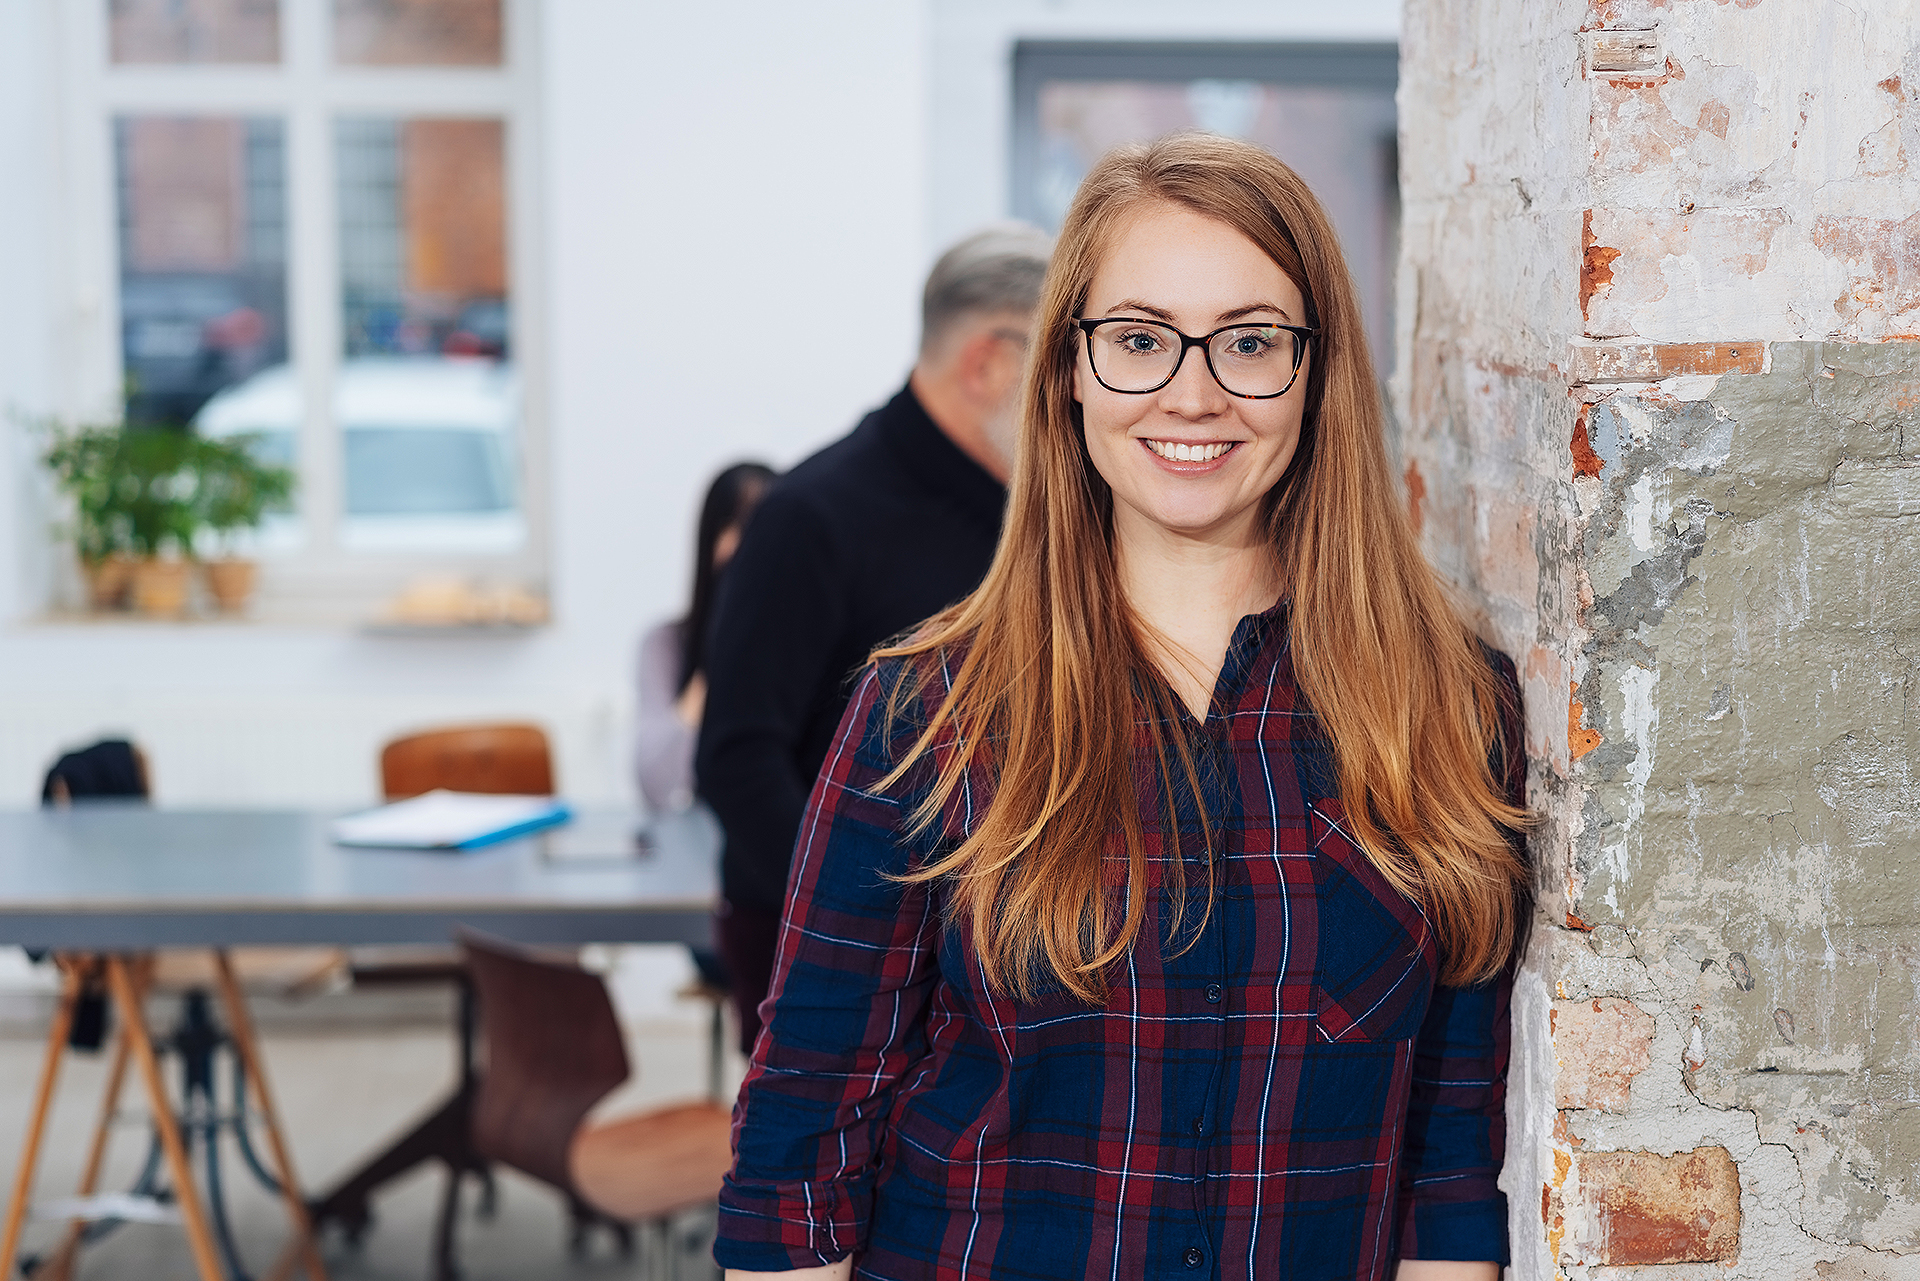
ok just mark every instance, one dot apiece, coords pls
pixel 1758 190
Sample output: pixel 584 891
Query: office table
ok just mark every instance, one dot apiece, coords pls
pixel 126 878
pixel 105 884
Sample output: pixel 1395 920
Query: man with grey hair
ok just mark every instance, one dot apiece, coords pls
pixel 877 531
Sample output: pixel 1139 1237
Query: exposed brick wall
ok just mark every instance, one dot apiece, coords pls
pixel 1659 392
pixel 1599 1046
pixel 1641 1207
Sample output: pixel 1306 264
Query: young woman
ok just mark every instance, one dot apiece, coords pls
pixel 672 678
pixel 1153 912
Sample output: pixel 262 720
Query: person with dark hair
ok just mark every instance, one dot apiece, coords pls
pixel 857 543
pixel 672 669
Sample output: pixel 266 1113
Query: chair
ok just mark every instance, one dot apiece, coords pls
pixel 505 759
pixel 553 1049
pixel 512 760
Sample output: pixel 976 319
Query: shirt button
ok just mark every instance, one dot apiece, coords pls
pixel 1199 1125
pixel 1195 1256
pixel 1213 993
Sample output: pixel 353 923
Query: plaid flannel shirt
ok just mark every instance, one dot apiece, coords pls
pixel 1283 1092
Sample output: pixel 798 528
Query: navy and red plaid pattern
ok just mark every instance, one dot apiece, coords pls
pixel 1283 1092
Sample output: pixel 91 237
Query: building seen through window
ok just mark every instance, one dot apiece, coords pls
pixel 203 258
pixel 176 31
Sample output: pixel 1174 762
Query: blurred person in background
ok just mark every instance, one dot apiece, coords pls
pixel 881 529
pixel 672 675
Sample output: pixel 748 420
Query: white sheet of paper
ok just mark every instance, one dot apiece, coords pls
pixel 447 820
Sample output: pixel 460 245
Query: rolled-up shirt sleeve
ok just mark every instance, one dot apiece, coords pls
pixel 1450 1204
pixel 845 1018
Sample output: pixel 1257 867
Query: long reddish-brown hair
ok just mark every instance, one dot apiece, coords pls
pixel 1050 670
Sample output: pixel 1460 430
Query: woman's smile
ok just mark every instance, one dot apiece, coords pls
pixel 1189 457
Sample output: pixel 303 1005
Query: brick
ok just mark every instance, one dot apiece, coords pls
pixel 1639 1208
pixel 1600 1047
pixel 1649 362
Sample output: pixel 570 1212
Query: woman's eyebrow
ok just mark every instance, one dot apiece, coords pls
pixel 1134 304
pixel 1241 313
pixel 1224 318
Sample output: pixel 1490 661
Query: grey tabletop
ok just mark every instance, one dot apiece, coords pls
pixel 114 877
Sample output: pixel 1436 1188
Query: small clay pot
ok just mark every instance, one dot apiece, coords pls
pixel 230 583
pixel 107 581
pixel 160 587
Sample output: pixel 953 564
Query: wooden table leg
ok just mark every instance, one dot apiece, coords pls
pixel 240 1026
pixel 59 1266
pixel 134 1022
pixel 75 980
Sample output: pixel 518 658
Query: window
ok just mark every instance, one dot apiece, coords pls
pixel 318 214
pixel 1325 109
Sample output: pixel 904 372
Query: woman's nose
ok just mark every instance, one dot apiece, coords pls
pixel 1193 393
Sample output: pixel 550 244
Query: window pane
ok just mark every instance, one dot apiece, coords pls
pixel 1341 140
pixel 426 405
pixel 411 471
pixel 202 258
pixel 417 33
pixel 423 236
pixel 194 30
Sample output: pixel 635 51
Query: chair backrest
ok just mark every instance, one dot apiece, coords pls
pixel 510 759
pixel 552 1048
pixel 112 767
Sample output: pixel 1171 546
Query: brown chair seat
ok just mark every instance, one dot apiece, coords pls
pixel 654 1164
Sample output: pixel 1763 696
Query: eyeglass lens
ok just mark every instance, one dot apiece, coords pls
pixel 1141 355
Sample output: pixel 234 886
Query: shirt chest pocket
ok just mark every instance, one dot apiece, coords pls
pixel 1375 962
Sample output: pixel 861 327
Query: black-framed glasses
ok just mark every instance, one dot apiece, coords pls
pixel 1253 362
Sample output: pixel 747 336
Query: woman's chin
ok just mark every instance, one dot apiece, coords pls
pixel 1199 521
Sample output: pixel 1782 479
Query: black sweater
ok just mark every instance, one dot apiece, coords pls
pixel 855 545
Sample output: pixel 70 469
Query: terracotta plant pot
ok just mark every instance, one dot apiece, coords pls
pixel 107 581
pixel 160 587
pixel 230 583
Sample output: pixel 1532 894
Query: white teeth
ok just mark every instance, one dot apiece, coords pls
pixel 1181 453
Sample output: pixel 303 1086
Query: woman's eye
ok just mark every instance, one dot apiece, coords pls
pixel 1140 342
pixel 1250 344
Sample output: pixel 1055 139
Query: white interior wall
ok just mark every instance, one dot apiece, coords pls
pixel 27 97
pixel 706 168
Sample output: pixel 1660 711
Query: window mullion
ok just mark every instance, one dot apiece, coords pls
pixel 91 373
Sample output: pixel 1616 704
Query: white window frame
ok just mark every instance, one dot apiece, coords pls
pixel 322 581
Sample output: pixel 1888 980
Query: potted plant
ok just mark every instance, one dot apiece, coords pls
pixel 233 491
pixel 142 498
pixel 82 462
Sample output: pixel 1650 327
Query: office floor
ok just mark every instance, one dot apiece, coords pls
pixel 350 1071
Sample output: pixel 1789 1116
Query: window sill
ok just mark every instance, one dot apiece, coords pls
pixel 268 621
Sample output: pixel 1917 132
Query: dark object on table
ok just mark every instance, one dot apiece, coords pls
pixel 553 1050
pixel 113 767
pixel 509 760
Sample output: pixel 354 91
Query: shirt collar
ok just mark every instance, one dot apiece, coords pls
pixel 935 461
